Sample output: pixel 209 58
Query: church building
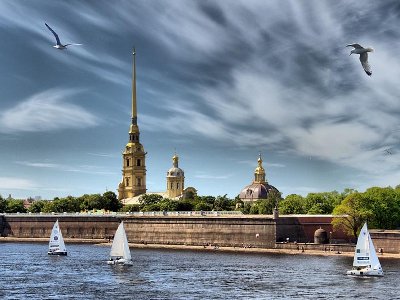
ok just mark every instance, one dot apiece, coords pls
pixel 259 188
pixel 175 179
pixel 133 181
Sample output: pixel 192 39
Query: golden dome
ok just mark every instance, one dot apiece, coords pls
pixel 259 169
pixel 175 171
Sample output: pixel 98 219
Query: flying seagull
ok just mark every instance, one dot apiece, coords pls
pixel 59 45
pixel 389 151
pixel 358 49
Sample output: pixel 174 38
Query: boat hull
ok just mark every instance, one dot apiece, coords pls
pixel 365 272
pixel 121 262
pixel 60 253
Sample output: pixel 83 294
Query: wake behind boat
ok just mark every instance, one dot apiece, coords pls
pixel 366 262
pixel 120 253
pixel 56 243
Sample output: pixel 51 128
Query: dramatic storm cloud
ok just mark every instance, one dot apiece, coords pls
pixel 219 81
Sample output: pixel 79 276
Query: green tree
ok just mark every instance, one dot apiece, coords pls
pixel 206 199
pixel 184 205
pixel 383 203
pixel 266 206
pixel 351 214
pixel 36 206
pixel 149 199
pixel 14 206
pixel 254 208
pixel 48 207
pixel 223 203
pixel 199 206
pixel 3 204
pixel 111 201
pixel 168 205
pixel 130 208
pixel 274 197
pixel 151 207
pixel 245 209
pixel 92 201
pixel 322 203
pixel 293 204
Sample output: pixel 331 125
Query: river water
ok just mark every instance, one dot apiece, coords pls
pixel 27 272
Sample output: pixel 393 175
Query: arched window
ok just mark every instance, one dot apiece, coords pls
pixel 138 162
pixel 127 162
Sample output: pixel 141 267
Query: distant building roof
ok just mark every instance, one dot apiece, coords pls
pixel 260 188
pixel 256 191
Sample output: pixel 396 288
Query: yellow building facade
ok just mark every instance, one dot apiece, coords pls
pixel 133 181
pixel 175 179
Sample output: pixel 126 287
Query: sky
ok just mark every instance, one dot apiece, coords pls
pixel 217 81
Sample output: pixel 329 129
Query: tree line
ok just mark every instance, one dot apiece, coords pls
pixel 107 201
pixel 380 207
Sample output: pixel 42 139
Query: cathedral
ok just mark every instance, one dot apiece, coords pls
pixel 259 188
pixel 133 183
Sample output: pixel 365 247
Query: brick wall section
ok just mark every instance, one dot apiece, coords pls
pixel 224 231
pixel 237 231
pixel 85 227
pixel 301 228
pixel 255 231
pixel 388 240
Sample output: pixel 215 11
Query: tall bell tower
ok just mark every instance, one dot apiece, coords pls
pixel 133 181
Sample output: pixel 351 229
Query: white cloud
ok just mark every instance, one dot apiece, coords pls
pixel 88 169
pixel 13 183
pixel 37 164
pixel 46 111
pixel 317 102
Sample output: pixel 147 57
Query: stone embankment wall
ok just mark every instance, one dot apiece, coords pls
pixel 233 230
pixel 40 226
pixel 387 240
pixel 175 230
pixel 203 230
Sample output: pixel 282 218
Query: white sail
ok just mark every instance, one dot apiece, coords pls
pixel 374 260
pixel 120 247
pixel 56 243
pixel 362 252
pixel 366 262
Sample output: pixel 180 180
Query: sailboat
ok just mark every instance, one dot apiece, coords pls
pixel 366 262
pixel 56 243
pixel 120 253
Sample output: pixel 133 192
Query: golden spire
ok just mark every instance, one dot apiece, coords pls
pixel 134 128
pixel 259 172
pixel 259 160
pixel 134 110
pixel 175 160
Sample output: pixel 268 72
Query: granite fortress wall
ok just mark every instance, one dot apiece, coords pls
pixel 233 230
pixel 221 231
pixel 174 230
pixel 40 226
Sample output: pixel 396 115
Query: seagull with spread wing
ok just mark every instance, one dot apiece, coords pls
pixel 358 49
pixel 59 45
